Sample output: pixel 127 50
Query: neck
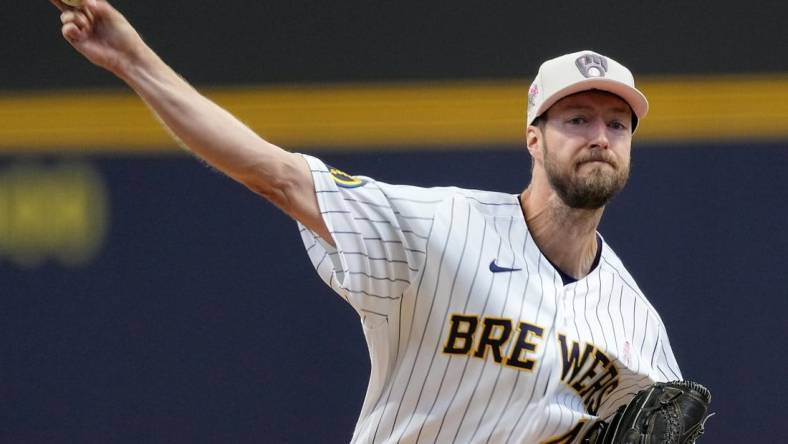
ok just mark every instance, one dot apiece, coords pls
pixel 566 236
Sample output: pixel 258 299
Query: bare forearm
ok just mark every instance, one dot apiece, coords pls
pixel 101 33
pixel 217 137
pixel 200 125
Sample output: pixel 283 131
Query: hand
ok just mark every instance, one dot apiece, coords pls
pixel 101 33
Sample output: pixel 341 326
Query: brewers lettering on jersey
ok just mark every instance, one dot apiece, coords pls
pixel 490 317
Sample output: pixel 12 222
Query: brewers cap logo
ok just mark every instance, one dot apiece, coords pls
pixel 592 65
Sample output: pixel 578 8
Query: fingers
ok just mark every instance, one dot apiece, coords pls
pixel 88 6
pixel 76 17
pixel 76 24
pixel 72 33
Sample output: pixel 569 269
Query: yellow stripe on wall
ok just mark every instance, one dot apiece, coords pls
pixel 716 108
pixel 451 114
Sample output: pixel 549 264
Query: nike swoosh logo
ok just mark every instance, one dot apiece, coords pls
pixel 495 268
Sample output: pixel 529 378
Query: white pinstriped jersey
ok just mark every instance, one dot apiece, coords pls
pixel 473 336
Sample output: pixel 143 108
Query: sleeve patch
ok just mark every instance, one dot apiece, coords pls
pixel 344 179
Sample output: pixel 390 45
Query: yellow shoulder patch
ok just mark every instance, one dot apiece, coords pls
pixel 344 179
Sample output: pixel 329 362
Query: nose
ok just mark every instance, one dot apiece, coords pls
pixel 598 136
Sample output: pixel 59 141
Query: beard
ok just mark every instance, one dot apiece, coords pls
pixel 588 192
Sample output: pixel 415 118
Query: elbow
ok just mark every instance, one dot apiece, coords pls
pixel 276 195
pixel 278 184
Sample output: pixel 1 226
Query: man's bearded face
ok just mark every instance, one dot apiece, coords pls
pixel 587 182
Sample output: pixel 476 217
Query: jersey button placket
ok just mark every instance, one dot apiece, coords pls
pixel 564 315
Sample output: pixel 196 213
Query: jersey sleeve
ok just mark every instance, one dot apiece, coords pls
pixel 664 365
pixel 380 232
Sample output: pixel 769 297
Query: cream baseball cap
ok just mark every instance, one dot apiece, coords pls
pixel 582 71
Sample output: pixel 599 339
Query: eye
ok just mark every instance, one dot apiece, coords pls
pixel 617 125
pixel 578 120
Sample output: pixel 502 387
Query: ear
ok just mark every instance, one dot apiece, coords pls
pixel 533 141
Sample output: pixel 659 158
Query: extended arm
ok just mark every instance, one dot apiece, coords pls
pixel 105 37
